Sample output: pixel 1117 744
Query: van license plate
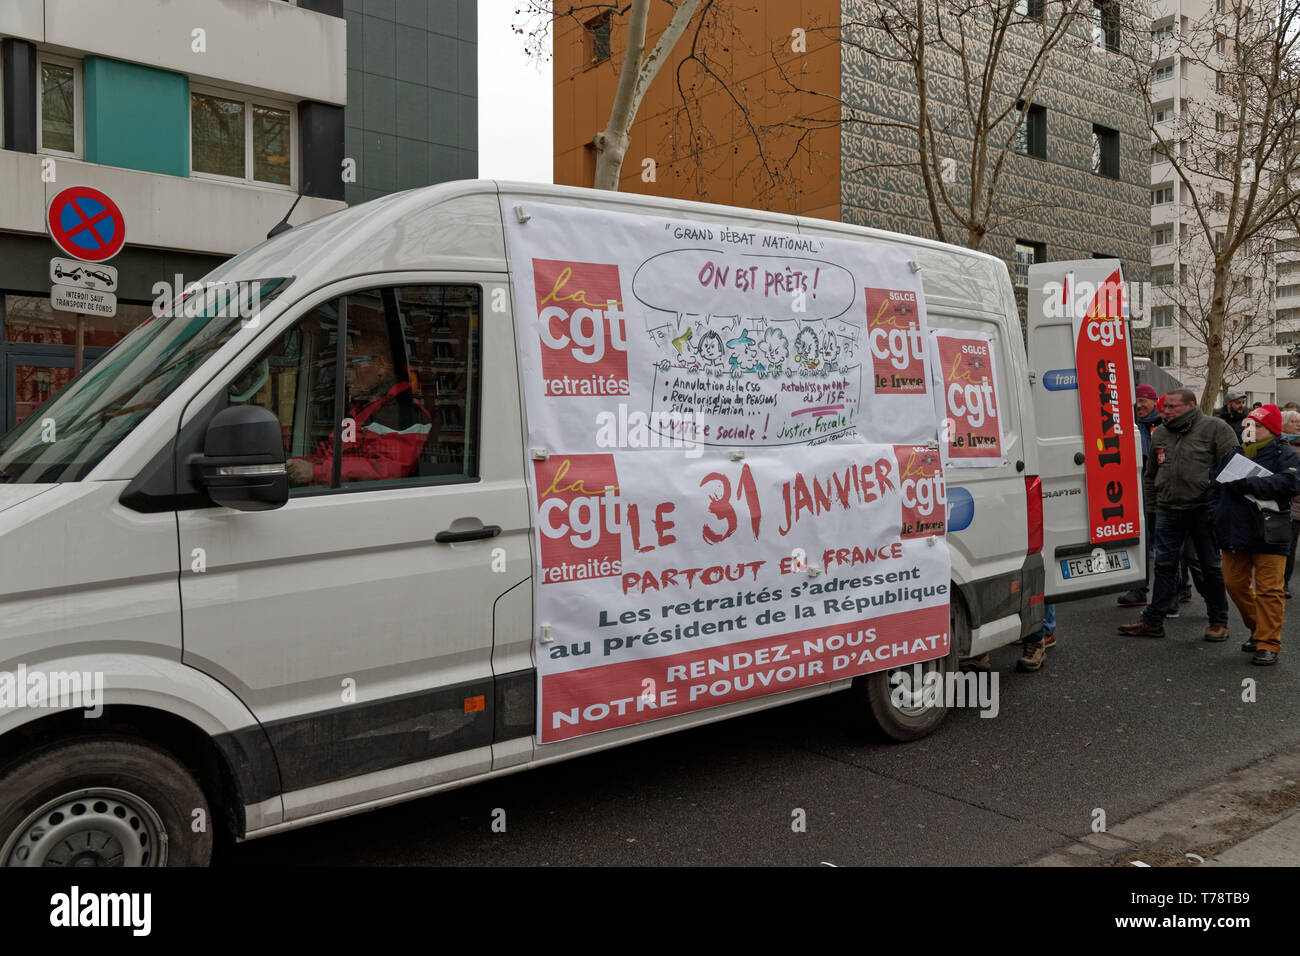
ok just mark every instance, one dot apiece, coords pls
pixel 1083 566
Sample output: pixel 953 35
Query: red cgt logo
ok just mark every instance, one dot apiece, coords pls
pixel 579 515
pixel 581 325
pixel 921 487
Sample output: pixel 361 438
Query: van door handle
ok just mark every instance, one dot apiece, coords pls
pixel 474 534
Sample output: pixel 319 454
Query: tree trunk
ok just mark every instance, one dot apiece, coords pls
pixel 633 79
pixel 1215 360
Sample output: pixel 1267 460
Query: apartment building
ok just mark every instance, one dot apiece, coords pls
pixel 1187 44
pixel 205 121
pixel 1077 179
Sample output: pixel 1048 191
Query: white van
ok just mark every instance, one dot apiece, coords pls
pixel 265 635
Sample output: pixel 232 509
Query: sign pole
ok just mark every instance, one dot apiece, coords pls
pixel 79 353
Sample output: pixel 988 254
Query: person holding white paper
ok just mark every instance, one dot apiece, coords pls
pixel 1252 521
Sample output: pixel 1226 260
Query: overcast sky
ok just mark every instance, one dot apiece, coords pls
pixel 514 105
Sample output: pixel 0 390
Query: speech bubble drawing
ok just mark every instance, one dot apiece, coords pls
pixel 723 282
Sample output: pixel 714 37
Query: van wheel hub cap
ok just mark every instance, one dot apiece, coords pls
pixel 95 827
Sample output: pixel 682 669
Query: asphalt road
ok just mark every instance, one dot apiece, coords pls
pixel 1111 722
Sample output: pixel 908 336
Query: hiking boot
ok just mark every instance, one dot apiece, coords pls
pixel 1032 657
pixel 981 663
pixel 1141 629
pixel 1132 599
pixel 1264 658
pixel 1049 639
pixel 1216 634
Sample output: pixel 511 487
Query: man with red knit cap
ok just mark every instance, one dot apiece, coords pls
pixel 1252 521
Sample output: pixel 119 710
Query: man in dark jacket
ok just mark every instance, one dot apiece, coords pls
pixel 1180 467
pixel 1147 417
pixel 1254 537
pixel 1234 412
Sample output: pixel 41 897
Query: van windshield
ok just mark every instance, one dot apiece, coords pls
pixel 67 436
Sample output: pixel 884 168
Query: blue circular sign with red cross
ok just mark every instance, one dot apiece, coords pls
pixel 86 224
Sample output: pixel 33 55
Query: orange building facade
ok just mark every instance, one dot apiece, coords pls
pixel 779 69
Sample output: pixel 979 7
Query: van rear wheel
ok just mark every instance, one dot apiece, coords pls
pixel 885 695
pixel 102 802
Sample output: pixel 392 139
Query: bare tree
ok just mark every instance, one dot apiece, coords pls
pixel 996 52
pixel 700 36
pixel 1233 157
pixel 1248 305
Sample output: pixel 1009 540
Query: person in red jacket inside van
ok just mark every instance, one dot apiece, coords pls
pixel 384 428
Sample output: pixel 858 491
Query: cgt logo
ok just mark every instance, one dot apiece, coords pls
pixel 897 346
pixel 921 489
pixel 582 328
pixel 579 517
pixel 1101 329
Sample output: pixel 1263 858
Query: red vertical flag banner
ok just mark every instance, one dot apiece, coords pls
pixel 1106 404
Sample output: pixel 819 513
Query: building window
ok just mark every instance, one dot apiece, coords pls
pixel 1246 286
pixel 1105 151
pixel 1163 71
pixel 1163 317
pixel 59 124
pixel 1031 130
pixel 1182 357
pixel 1163 276
pixel 1162 113
pixel 236 138
pixel 597 37
pixel 1033 9
pixel 1164 357
pixel 1105 25
pixel 1161 195
pixel 1027 254
pixel 1162 236
pixel 1162 33
pixel 1248 361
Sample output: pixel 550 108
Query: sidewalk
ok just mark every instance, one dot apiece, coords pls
pixel 1249 818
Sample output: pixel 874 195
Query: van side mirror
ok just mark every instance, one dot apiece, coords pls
pixel 242 465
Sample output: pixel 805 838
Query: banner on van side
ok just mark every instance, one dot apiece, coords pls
pixel 1097 307
pixel 970 422
pixel 735 472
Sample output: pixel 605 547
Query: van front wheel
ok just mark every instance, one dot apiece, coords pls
pixel 102 802
pixel 895 700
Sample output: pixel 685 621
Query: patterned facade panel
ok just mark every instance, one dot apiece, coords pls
pixel 1056 200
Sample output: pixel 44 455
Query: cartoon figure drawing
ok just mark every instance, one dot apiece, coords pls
pixel 805 349
pixel 829 352
pixel 745 356
pixel 681 355
pixel 777 349
pixel 710 353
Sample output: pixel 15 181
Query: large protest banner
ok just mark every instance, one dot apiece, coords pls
pixel 1098 313
pixel 735 469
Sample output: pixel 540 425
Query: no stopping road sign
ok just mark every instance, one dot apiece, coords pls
pixel 86 224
